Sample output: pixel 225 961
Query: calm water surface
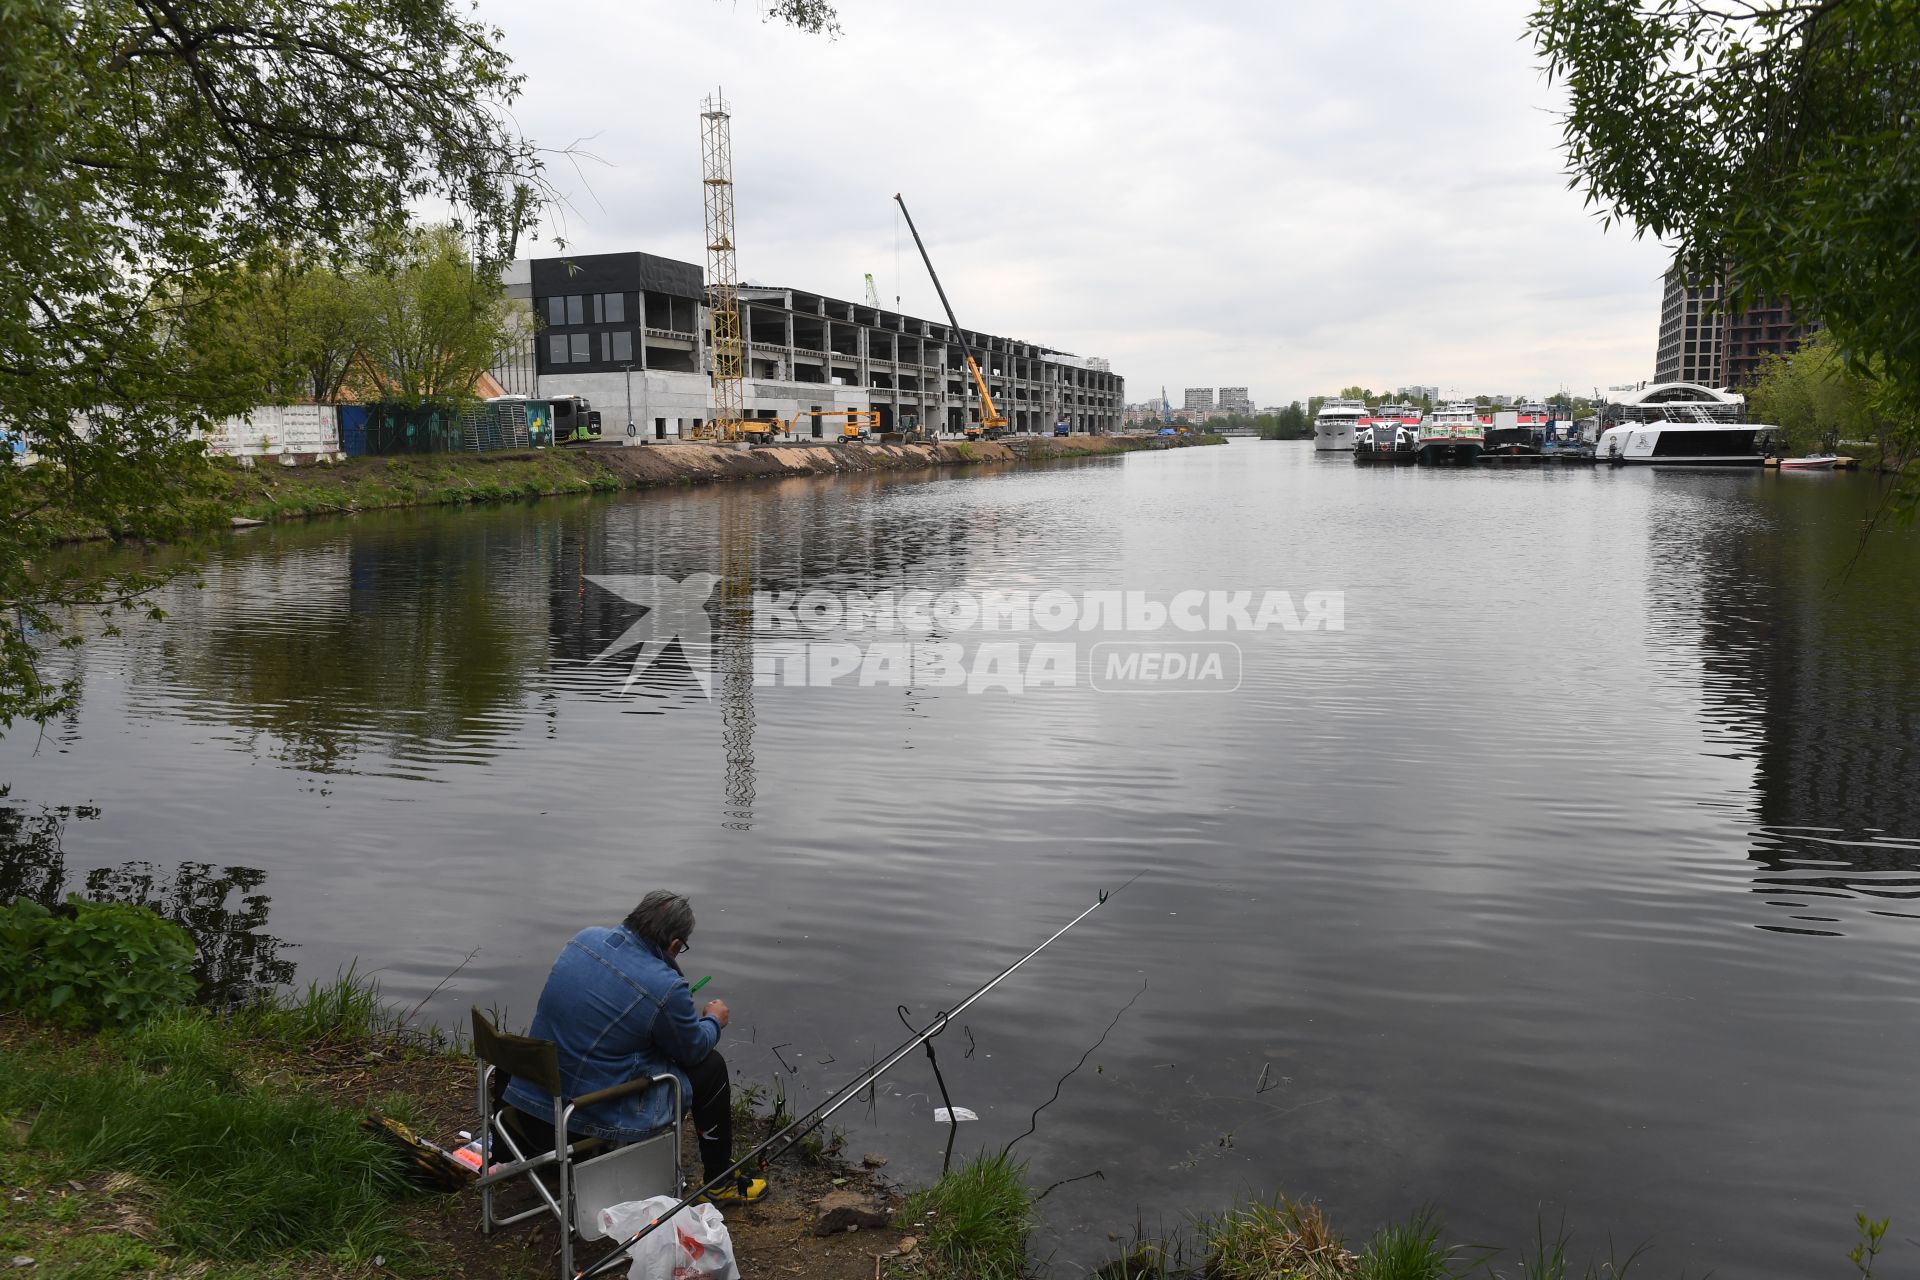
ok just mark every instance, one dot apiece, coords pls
pixel 1576 876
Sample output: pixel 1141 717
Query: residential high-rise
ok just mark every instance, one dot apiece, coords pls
pixel 1689 333
pixel 1714 348
pixel 1199 400
pixel 1236 400
pixel 1747 340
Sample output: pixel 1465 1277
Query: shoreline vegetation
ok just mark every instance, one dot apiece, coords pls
pixel 145 1134
pixel 269 492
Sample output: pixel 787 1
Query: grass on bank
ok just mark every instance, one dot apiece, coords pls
pixel 972 1223
pixel 268 491
pixel 180 1139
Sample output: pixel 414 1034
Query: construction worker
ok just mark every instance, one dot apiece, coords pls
pixel 618 1008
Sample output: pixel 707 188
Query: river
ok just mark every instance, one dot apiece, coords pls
pixel 1567 873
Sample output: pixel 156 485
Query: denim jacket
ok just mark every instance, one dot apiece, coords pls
pixel 616 1009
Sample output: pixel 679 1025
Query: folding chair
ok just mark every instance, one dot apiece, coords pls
pixel 578 1177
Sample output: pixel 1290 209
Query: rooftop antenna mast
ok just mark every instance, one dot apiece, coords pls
pixel 723 273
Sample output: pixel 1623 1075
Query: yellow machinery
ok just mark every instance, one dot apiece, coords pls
pixel 723 279
pixel 859 423
pixel 992 422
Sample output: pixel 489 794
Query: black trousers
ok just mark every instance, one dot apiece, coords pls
pixel 710 1100
pixel 712 1105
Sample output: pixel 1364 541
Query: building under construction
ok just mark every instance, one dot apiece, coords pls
pixel 632 333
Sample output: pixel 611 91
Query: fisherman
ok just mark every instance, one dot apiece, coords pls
pixel 618 1008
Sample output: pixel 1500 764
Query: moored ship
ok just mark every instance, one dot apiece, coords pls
pixel 1452 435
pixel 1335 425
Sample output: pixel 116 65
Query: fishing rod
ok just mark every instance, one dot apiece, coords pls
pixel 799 1128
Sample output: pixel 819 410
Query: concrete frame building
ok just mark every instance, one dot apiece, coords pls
pixel 1236 400
pixel 631 329
pixel 1198 400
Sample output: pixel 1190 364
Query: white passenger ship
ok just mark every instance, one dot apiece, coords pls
pixel 1333 428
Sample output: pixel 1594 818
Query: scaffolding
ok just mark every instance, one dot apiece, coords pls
pixel 723 275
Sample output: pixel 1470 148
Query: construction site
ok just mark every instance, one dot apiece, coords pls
pixel 663 351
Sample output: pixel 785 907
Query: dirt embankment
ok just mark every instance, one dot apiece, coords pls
pixel 272 492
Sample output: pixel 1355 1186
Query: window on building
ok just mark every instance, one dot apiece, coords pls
pixel 557 349
pixel 576 308
pixel 578 342
pixel 622 345
pixel 616 308
pixel 556 310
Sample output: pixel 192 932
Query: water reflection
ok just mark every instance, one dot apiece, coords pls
pixel 222 909
pixel 1806 671
pixel 412 644
pixel 1484 913
pixel 33 864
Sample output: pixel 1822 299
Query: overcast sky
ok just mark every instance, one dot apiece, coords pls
pixel 1295 197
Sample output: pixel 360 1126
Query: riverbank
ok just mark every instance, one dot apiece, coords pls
pixel 270 492
pixel 230 1144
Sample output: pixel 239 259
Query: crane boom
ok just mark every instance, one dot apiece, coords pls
pixel 990 416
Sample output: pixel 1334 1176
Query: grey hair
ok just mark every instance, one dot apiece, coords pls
pixel 662 917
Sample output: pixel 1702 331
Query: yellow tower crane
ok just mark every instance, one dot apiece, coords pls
pixel 723 274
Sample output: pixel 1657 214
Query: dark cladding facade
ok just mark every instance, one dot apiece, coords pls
pixel 605 312
pixel 630 332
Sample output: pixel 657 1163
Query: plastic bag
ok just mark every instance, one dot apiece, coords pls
pixel 694 1245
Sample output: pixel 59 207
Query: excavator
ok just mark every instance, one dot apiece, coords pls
pixel 992 422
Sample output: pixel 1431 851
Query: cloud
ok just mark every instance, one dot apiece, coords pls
pixel 1290 197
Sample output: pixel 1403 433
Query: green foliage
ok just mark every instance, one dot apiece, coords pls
pixel 976 1219
pixel 409 318
pixel 152 161
pixel 1409 1250
pixel 1863 1253
pixel 433 322
pixel 1551 1258
pixel 1773 142
pixel 241 1169
pixel 346 1010
pixel 1292 423
pixel 92 963
pixel 814 16
pixel 1814 394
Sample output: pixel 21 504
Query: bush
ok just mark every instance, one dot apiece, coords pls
pixel 93 963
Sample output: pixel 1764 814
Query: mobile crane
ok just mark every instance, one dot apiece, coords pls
pixel 992 421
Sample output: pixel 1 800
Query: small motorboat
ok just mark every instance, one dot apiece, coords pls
pixel 1812 462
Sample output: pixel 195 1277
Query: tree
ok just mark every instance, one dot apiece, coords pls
pixel 153 157
pixel 1290 423
pixel 1772 143
pixel 432 322
pixel 1812 395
